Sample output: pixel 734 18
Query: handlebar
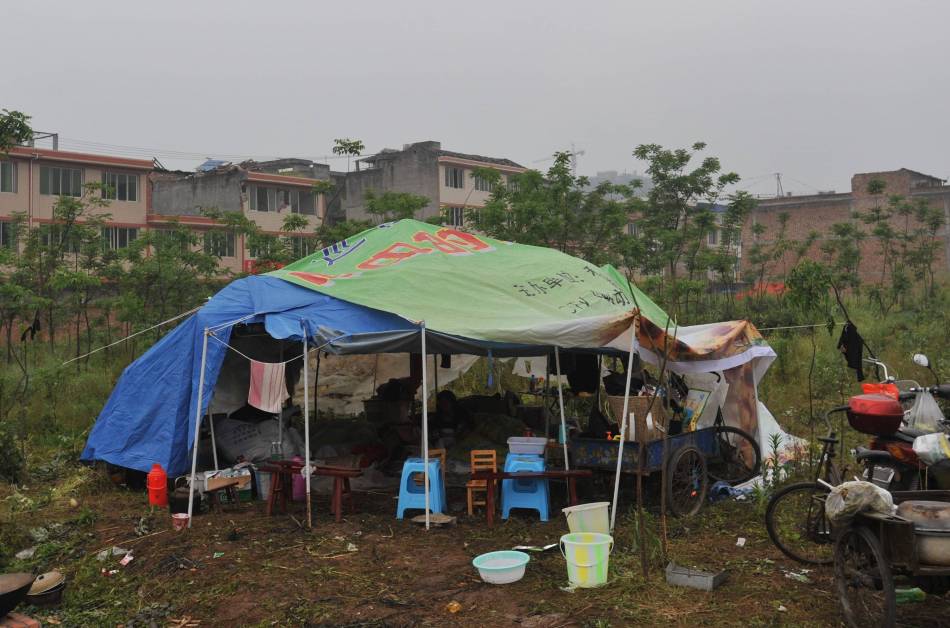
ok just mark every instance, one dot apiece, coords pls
pixel 941 391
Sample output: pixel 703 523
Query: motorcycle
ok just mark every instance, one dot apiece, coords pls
pixel 896 413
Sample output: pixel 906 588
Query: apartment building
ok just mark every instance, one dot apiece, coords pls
pixel 32 179
pixel 819 212
pixel 260 191
pixel 445 177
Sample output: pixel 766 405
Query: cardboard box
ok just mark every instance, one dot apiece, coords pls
pixel 651 425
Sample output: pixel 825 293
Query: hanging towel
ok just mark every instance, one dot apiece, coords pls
pixel 268 389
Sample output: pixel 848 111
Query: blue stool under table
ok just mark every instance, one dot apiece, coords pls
pixel 528 493
pixel 413 495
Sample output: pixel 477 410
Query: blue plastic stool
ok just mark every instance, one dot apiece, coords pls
pixel 412 495
pixel 530 493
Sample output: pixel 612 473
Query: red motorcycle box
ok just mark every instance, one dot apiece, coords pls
pixel 876 414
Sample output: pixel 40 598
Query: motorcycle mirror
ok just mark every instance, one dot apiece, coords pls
pixel 921 360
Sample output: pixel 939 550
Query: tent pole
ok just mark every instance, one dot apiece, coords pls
pixel 306 423
pixel 214 443
pixel 623 429
pixel 280 416
pixel 198 415
pixel 560 399
pixel 425 423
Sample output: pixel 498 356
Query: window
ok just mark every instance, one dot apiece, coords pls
pixel 483 185
pixel 455 216
pixel 302 246
pixel 633 229
pixel 115 238
pixel 306 203
pixel 8 177
pixel 56 181
pixel 454 177
pixel 53 234
pixel 513 184
pixel 264 199
pixel 713 237
pixel 120 187
pixel 219 243
pixel 7 235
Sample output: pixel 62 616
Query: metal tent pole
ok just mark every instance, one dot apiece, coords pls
pixel 306 423
pixel 214 443
pixel 623 429
pixel 198 415
pixel 560 399
pixel 425 423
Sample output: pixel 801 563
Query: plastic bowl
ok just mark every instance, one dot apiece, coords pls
pixel 501 567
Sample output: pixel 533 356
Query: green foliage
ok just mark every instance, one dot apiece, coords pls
pixel 556 210
pixel 390 206
pixel 348 147
pixel 14 129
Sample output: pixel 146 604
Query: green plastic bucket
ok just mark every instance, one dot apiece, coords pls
pixel 587 555
pixel 592 517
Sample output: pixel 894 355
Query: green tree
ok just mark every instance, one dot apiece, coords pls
pixel 390 206
pixel 14 129
pixel 557 210
pixel 348 147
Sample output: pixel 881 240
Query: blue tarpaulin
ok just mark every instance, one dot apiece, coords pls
pixel 150 416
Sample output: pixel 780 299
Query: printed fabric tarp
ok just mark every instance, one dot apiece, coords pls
pixel 470 286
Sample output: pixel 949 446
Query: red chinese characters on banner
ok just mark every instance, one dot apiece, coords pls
pixel 447 240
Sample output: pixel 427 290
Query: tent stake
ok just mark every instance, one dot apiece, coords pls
pixel 306 422
pixel 560 399
pixel 425 423
pixel 623 429
pixel 198 415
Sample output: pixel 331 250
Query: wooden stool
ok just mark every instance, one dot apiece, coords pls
pixel 341 488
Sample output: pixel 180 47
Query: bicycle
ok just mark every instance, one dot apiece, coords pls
pixel 795 515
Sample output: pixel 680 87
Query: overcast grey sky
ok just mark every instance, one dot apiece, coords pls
pixel 817 90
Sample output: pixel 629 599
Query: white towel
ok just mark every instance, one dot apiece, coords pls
pixel 268 388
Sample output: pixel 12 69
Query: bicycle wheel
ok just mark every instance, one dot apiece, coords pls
pixel 738 457
pixel 686 482
pixel 796 523
pixel 863 579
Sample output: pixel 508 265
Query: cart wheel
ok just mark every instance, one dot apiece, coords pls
pixel 737 457
pixel 863 579
pixel 686 482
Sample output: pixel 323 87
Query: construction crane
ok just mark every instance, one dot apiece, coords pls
pixel 574 153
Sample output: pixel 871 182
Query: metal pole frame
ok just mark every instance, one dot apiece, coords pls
pixel 198 415
pixel 623 427
pixel 306 471
pixel 425 423
pixel 560 399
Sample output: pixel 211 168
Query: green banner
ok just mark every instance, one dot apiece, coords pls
pixel 469 285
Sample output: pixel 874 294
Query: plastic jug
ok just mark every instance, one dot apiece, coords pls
pixel 157 483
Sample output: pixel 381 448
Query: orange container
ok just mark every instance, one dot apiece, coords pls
pixel 157 486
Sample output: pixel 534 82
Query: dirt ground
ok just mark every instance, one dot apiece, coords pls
pixel 241 567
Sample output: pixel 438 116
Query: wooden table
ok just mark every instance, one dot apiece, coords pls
pixel 491 477
pixel 282 474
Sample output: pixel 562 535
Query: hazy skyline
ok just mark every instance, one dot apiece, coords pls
pixel 815 90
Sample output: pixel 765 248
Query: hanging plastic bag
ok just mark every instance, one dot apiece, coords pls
pixel 932 448
pixel 925 414
pixel 850 498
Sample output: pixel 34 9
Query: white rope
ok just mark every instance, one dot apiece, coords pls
pixel 800 326
pixel 296 357
pixel 138 333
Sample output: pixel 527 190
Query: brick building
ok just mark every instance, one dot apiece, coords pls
pixel 818 212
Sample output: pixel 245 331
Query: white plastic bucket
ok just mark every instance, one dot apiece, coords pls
pixel 263 484
pixel 593 517
pixel 587 555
